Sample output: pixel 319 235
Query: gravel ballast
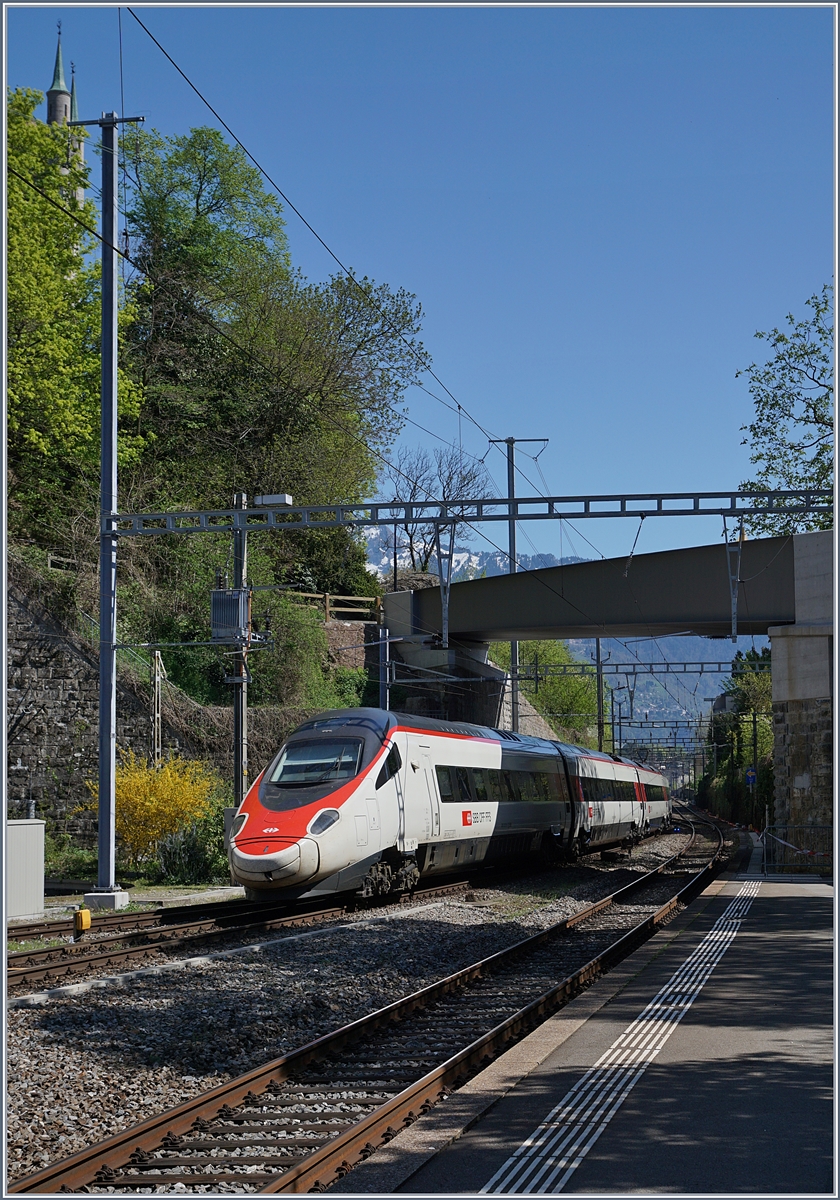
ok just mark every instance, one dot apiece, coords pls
pixel 84 1067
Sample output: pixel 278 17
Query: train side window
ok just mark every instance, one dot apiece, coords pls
pixel 560 783
pixel 547 786
pixel 528 788
pixel 479 782
pixel 390 767
pixel 444 779
pixel 462 777
pixel 496 791
pixel 510 791
pixel 593 790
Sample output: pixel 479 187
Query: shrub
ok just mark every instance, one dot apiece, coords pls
pixel 153 803
pixel 183 857
pixel 63 860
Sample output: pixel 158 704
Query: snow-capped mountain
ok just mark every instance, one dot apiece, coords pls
pixel 466 564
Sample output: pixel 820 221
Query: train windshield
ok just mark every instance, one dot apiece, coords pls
pixel 304 763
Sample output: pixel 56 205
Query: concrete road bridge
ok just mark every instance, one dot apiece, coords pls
pixel 784 589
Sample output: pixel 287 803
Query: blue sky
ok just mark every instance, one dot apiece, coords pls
pixel 597 207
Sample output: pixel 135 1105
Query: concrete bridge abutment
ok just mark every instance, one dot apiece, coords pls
pixel 803 702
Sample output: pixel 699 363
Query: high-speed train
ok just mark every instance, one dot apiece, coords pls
pixel 365 800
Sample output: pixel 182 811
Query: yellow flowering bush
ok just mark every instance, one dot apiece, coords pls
pixel 153 802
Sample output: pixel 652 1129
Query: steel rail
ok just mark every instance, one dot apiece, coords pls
pixel 337 1159
pixel 159 915
pixel 96 1165
pixel 28 966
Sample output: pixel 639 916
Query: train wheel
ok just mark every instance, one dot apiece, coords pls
pixel 407 877
pixel 577 848
pixel 377 882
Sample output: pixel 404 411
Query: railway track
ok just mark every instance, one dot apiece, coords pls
pixel 300 1122
pixel 116 949
pixel 117 939
pixel 123 921
pixel 158 917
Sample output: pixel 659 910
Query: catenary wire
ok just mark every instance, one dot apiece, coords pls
pixel 459 408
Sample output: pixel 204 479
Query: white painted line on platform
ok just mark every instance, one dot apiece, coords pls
pixel 548 1158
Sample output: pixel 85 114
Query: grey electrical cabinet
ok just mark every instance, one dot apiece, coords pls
pixel 24 868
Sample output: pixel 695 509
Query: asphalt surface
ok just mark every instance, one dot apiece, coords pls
pixel 738 1099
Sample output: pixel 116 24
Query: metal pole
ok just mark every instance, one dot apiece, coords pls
pixel 157 680
pixel 755 759
pixel 108 509
pixel 384 697
pixel 240 687
pixel 514 646
pixel 612 721
pixel 599 679
pixel 106 874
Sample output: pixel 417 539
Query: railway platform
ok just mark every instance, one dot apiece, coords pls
pixel 703 1064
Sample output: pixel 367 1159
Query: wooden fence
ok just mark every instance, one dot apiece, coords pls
pixel 365 608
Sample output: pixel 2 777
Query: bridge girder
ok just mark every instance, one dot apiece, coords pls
pixel 666 592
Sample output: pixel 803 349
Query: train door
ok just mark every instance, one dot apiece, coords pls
pixel 640 805
pixel 433 809
pixel 374 829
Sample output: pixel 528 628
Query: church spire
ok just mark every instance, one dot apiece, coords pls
pixel 58 96
pixel 58 84
pixel 74 108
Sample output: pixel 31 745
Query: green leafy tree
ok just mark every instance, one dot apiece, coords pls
pixel 254 379
pixel 236 374
pixel 730 749
pixel 791 437
pixel 568 702
pixel 53 311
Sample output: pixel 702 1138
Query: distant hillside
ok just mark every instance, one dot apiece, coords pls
pixel 666 696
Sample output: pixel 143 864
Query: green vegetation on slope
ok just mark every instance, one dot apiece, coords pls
pixel 236 375
pixel 729 751
pixel 568 702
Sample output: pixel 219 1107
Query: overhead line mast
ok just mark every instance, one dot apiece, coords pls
pixel 106 877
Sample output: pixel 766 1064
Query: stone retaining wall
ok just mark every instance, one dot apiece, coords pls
pixel 803 762
pixel 53 716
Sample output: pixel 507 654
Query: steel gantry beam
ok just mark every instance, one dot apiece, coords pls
pixel 438 512
pixel 550 670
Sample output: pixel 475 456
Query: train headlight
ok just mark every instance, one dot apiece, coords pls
pixel 238 822
pixel 326 817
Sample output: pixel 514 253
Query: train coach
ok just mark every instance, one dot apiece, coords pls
pixel 371 801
